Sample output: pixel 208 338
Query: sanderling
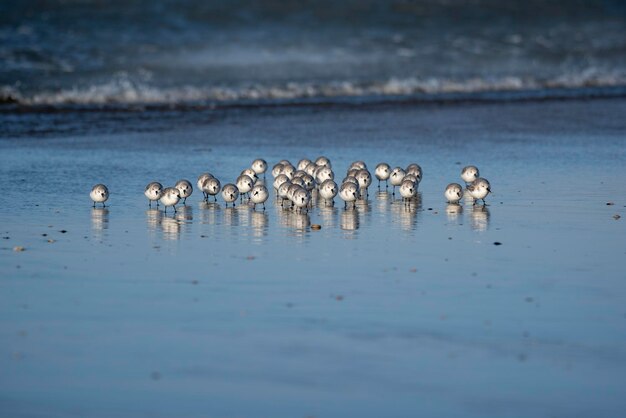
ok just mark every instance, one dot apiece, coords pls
pixel 479 189
pixel 279 180
pixel 259 194
pixel 211 187
pixel 382 173
pixel 323 161
pixel 359 165
pixel 282 192
pixel 277 169
pixel 303 163
pixel 153 192
pixel 309 182
pixel 250 173
pixel 415 170
pixel 349 193
pixel 259 166
pixel 352 172
pixel 298 173
pixel 201 179
pixel 301 198
pixel 408 190
pixel 365 179
pixel 298 181
pixel 328 190
pixel 184 186
pixel 469 174
pixel 170 197
pixel 288 170
pixel 230 193
pixel 454 192
pixel 324 173
pixel 395 178
pixel 310 169
pixel 99 194
pixel 244 184
pixel 413 178
pixel 291 190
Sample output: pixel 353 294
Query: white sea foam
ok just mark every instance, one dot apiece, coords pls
pixel 124 91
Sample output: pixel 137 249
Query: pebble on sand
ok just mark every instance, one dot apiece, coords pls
pixel 316 226
pixel 19 248
pixel 616 217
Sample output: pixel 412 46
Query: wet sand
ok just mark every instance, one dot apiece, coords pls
pixel 384 311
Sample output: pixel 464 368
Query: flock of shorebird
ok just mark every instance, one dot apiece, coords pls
pixel 297 184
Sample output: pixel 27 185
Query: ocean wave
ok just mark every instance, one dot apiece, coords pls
pixel 124 91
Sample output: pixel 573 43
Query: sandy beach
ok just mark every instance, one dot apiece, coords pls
pixel 385 311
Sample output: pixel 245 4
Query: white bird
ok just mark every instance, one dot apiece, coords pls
pixel 395 178
pixel 184 186
pixel 153 192
pixel 99 194
pixel 469 174
pixel 324 173
pixel 301 198
pixel 328 190
pixel 244 184
pixel 416 170
pixel 453 193
pixel 479 189
pixel 277 169
pixel 279 180
pixel 382 173
pixel 250 173
pixel 259 166
pixel 303 163
pixel 408 190
pixel 211 187
pixel 282 192
pixel 259 194
pixel 359 165
pixel 288 170
pixel 201 179
pixel 309 182
pixel 323 161
pixel 365 179
pixel 230 193
pixel 349 193
pixel 170 197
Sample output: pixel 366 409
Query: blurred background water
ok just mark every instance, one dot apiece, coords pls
pixel 176 52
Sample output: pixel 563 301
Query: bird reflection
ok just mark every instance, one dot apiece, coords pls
pixel 258 221
pixel 363 206
pixel 454 211
pixel 170 227
pixel 349 221
pixel 479 217
pixel 231 216
pixel 243 213
pixel 209 212
pixel 299 220
pixel 99 220
pixel 153 219
pixel 405 213
pixel 328 214
pixel 184 214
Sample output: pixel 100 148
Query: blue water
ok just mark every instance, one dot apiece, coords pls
pixel 176 52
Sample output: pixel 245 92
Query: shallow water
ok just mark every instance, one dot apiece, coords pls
pixel 385 311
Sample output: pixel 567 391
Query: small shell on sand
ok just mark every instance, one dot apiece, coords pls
pixel 19 248
pixel 316 226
